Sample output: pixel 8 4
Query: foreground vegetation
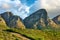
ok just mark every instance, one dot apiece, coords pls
pixel 33 34
pixel 4 35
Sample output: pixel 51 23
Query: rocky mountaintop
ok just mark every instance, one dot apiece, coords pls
pixel 12 20
pixel 56 19
pixel 39 19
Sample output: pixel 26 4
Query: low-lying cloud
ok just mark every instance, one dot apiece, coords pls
pixel 52 6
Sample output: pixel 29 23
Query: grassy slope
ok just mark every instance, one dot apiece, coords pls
pixel 46 34
pixel 4 35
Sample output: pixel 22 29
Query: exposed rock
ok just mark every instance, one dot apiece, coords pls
pixel 56 19
pixel 2 21
pixel 52 24
pixel 12 20
pixel 37 19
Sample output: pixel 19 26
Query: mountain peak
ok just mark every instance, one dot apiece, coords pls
pixel 34 19
pixel 56 19
pixel 12 20
pixel 7 13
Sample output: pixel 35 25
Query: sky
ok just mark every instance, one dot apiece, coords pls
pixel 24 8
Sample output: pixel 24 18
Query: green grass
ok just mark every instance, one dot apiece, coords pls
pixel 46 34
pixel 33 34
pixel 4 35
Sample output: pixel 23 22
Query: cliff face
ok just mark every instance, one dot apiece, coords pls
pixel 56 19
pixel 52 24
pixel 12 20
pixel 37 19
pixel 40 19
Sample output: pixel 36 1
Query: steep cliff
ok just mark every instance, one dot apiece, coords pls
pixel 37 20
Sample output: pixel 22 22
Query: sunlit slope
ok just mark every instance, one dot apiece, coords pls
pixel 34 34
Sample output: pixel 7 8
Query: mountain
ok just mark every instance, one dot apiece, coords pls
pixel 52 24
pixel 12 20
pixel 2 21
pixel 56 19
pixel 37 19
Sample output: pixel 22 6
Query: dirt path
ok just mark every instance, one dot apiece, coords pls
pixel 20 36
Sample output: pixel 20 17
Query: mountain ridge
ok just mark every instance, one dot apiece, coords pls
pixel 12 20
pixel 37 20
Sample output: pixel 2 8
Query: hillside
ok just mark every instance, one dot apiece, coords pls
pixel 2 21
pixel 36 20
pixel 37 26
pixel 28 34
pixel 34 34
pixel 5 35
pixel 40 19
pixel 12 20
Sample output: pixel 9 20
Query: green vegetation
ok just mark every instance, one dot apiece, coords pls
pixel 46 34
pixel 4 35
pixel 33 34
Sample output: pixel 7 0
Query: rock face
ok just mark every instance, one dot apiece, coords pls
pixel 37 19
pixel 56 19
pixel 2 21
pixel 12 20
pixel 52 24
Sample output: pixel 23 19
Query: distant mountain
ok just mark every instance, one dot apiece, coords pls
pixel 38 20
pixel 12 20
pixel 52 24
pixel 56 19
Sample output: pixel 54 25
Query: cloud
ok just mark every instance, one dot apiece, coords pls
pixel 52 7
pixel 50 4
pixel 14 6
pixel 24 8
pixel 5 6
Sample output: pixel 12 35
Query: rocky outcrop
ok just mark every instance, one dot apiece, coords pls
pixel 37 19
pixel 56 19
pixel 2 21
pixel 12 20
pixel 52 24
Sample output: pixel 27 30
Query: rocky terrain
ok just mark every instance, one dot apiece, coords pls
pixel 12 20
pixel 37 26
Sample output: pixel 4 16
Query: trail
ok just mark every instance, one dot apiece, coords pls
pixel 20 36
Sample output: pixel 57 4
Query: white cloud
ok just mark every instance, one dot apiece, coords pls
pixel 14 6
pixel 50 4
pixel 52 7
pixel 5 6
pixel 24 8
